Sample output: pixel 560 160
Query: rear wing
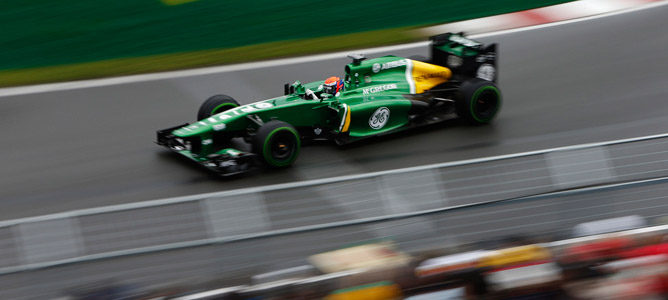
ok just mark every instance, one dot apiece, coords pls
pixel 465 57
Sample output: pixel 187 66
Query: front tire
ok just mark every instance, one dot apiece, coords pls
pixel 478 101
pixel 277 143
pixel 214 105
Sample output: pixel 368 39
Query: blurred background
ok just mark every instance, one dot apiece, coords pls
pixel 83 39
pixel 563 196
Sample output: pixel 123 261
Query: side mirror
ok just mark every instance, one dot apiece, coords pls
pixel 298 88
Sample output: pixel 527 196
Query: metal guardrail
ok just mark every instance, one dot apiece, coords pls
pixel 550 215
pixel 455 202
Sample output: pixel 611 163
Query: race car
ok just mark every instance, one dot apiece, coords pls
pixel 375 97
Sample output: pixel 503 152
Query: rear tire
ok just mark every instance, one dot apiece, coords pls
pixel 215 105
pixel 277 143
pixel 478 101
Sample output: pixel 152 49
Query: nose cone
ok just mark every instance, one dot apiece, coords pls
pixel 217 122
pixel 194 129
pixel 225 119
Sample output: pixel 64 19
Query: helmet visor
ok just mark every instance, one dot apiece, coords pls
pixel 329 88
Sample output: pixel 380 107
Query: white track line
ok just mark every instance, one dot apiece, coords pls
pixel 62 86
pixel 82 84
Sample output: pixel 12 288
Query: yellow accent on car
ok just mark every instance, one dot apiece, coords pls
pixel 427 76
pixel 346 124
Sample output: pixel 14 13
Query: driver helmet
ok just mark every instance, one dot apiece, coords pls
pixel 332 85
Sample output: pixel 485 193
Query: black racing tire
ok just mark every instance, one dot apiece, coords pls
pixel 215 105
pixel 478 101
pixel 277 143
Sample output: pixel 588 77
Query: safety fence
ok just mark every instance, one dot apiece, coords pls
pixel 233 234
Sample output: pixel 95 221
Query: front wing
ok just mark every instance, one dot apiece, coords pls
pixel 225 162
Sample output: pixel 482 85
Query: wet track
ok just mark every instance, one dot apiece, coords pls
pixel 583 82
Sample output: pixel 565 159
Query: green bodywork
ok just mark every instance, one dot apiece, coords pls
pixel 379 96
pixel 366 90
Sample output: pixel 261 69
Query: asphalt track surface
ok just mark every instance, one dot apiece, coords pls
pixel 589 81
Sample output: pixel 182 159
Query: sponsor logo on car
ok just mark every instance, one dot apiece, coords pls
pixel 379 118
pixel 464 41
pixel 388 65
pixel 455 61
pixel 379 88
pixel 487 72
pixel 248 108
pixel 485 57
pixel 237 111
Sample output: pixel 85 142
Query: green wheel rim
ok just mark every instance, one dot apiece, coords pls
pixel 267 151
pixel 216 109
pixel 474 101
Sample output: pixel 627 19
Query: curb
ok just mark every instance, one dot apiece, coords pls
pixel 537 16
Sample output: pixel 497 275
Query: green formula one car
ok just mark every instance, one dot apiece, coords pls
pixel 376 96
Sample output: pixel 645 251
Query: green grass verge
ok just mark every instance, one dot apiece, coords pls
pixel 168 62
